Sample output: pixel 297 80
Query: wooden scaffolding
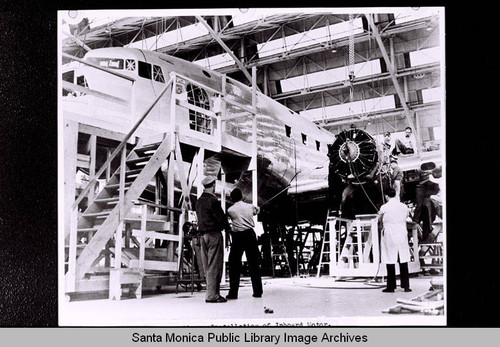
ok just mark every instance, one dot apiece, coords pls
pixel 115 238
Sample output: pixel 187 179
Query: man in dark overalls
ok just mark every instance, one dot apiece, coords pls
pixel 211 221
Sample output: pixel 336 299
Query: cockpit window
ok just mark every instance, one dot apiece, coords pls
pixel 144 70
pixel 110 63
pixel 158 74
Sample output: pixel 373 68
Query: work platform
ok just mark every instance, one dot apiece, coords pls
pixel 351 248
pixel 123 231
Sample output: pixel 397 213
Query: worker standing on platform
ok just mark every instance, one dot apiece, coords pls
pixel 211 221
pixel 396 178
pixel 394 245
pixel 243 239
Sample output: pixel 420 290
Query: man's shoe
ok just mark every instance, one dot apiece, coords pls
pixel 257 295
pixel 219 299
pixel 388 290
pixel 231 297
pixel 407 290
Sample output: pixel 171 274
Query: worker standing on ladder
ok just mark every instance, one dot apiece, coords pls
pixel 211 221
pixel 394 246
pixel 243 239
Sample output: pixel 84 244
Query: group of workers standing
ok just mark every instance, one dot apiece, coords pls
pixel 211 222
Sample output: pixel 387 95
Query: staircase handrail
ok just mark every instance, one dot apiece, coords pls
pixel 120 146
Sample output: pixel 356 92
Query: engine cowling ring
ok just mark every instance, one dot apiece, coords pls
pixel 354 156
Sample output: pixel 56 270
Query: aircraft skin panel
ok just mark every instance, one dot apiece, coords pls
pixel 282 157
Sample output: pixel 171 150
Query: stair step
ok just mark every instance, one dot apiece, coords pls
pixel 97 214
pixel 133 172
pixel 129 172
pixel 431 257
pixel 430 244
pixel 86 230
pixel 117 185
pixel 139 160
pixel 83 245
pixel 107 200
pixel 150 147
pixel 431 266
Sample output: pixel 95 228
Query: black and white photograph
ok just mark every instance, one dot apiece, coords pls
pixel 244 167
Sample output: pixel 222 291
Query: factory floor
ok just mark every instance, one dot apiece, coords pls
pixel 301 301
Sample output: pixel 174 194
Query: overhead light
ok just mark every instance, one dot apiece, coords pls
pixel 73 17
pixel 334 50
pixel 243 10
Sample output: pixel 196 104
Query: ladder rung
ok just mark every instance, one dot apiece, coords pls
pixel 431 244
pixel 431 257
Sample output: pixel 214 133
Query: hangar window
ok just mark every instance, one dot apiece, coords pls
pixel 144 70
pixel 130 64
pixel 288 131
pixel 158 74
pixel 304 138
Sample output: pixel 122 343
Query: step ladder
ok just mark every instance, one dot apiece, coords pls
pixel 279 255
pixel 431 253
pixel 334 231
pixel 101 222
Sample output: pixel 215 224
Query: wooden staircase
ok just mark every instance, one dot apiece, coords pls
pixel 110 213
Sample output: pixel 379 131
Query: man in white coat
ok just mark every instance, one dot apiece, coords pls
pixel 394 243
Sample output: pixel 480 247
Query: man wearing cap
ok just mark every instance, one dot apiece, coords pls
pixel 243 239
pixel 211 221
pixel 396 177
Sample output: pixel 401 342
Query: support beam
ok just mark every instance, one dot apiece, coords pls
pixel 70 139
pixel 77 40
pixel 226 48
pixel 392 72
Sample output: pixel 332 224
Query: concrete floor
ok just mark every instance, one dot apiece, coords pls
pixel 295 301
